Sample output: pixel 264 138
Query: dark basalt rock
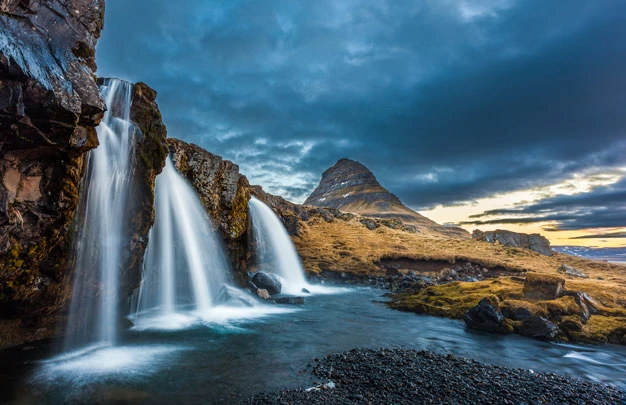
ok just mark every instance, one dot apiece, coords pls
pixel 49 108
pixel 288 300
pixel 267 281
pixel 485 316
pixel 533 241
pixel 516 314
pixel 150 153
pixel 539 328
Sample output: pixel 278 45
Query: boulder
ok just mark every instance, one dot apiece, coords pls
pixel 267 281
pixel 516 313
pixel 539 328
pixel 588 306
pixel 570 271
pixel 543 287
pixel 370 224
pixel 485 316
pixel 235 297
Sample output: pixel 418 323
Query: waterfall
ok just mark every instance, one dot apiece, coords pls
pixel 99 241
pixel 185 268
pixel 275 250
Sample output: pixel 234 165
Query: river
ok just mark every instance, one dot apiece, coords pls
pixel 238 353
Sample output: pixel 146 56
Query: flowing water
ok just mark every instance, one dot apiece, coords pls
pixel 185 267
pixel 99 239
pixel 275 251
pixel 231 357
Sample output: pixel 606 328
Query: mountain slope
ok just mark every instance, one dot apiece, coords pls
pixel 351 187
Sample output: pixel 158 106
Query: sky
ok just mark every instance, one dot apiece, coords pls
pixel 488 113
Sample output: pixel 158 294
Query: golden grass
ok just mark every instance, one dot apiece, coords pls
pixel 348 246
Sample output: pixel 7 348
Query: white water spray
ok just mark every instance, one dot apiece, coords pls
pixel 98 251
pixel 275 250
pixel 185 267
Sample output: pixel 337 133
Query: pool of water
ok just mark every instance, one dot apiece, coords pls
pixel 229 357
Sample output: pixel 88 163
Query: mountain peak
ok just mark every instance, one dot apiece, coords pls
pixel 347 182
pixel 350 186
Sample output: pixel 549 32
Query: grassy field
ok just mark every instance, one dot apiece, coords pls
pixel 349 246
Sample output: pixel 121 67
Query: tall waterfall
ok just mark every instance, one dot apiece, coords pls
pixel 185 267
pixel 275 250
pixel 98 250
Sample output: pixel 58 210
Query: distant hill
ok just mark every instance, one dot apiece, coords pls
pixel 351 187
pixel 617 254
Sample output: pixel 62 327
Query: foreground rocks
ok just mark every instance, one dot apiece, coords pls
pixel 486 316
pixel 399 376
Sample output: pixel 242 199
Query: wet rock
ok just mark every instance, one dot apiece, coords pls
pixel 543 287
pixel 485 316
pixel 267 281
pixel 539 328
pixel 570 271
pixel 304 290
pixel 288 300
pixel 235 297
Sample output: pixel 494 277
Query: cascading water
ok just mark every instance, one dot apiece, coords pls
pixel 185 267
pixel 275 250
pixel 98 250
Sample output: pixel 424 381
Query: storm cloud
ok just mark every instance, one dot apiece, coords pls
pixel 603 207
pixel 445 101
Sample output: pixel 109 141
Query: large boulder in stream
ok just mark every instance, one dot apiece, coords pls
pixel 49 108
pixel 539 328
pixel 485 316
pixel 267 281
pixel 232 296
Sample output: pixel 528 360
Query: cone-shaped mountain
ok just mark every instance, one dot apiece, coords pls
pixel 349 186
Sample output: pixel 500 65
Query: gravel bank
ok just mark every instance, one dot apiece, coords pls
pixel 399 376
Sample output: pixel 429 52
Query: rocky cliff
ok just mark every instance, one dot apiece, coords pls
pixel 223 191
pixel 533 241
pixel 351 187
pixel 150 153
pixel 49 108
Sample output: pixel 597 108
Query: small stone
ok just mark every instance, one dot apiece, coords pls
pixel 263 293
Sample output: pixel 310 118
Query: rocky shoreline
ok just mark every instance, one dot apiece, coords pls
pixel 403 376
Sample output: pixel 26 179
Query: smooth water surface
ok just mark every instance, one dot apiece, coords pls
pixel 232 357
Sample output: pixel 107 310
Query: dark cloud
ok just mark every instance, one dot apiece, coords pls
pixel 603 207
pixel 610 235
pixel 444 103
